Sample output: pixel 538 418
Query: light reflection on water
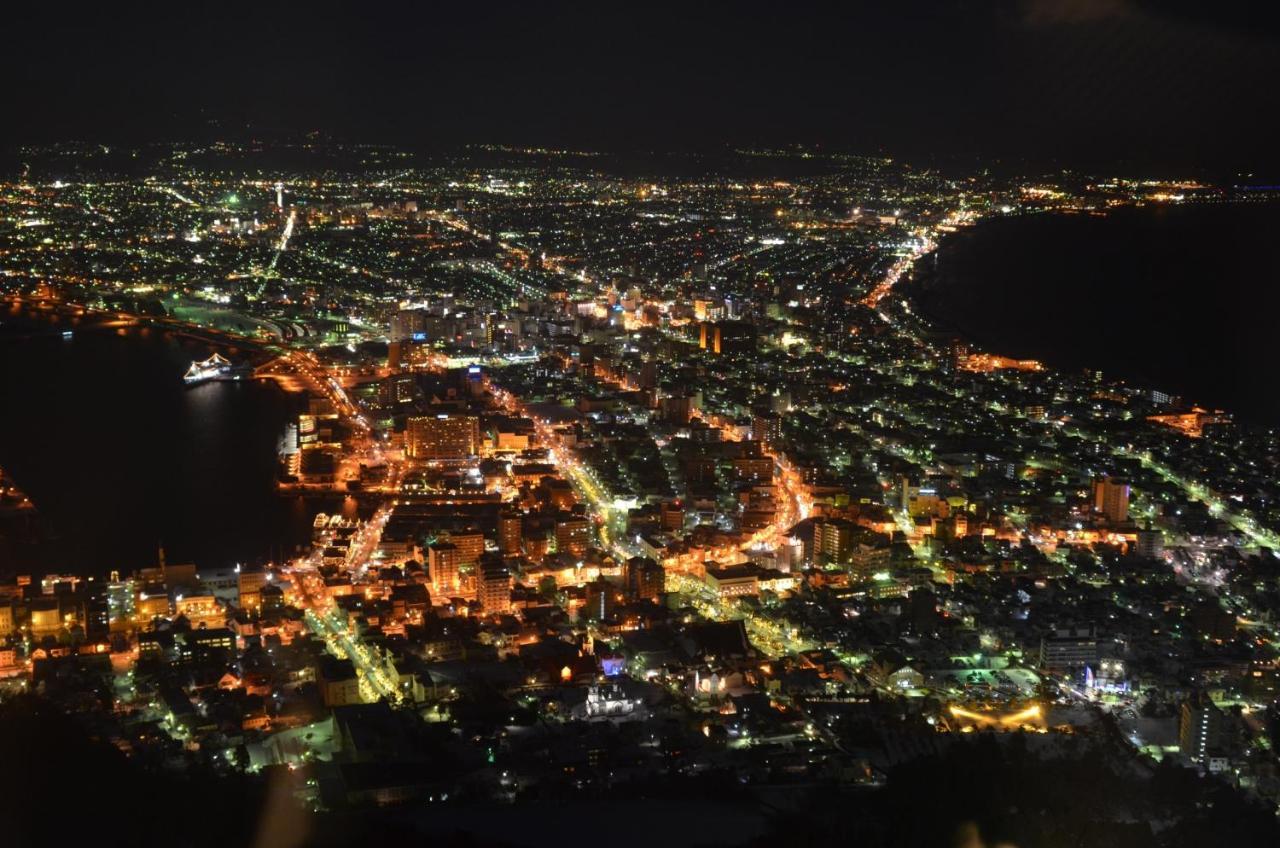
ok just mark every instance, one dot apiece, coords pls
pixel 119 455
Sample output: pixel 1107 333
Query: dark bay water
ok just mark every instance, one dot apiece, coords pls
pixel 1181 298
pixel 119 455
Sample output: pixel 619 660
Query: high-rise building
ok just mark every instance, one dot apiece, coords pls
pixel 408 324
pixel 671 514
pixel 510 531
pixel 679 409
pixel 249 583
pixel 752 465
pixel 727 337
pixel 399 388
pixel 495 589
pixel 475 380
pixel 470 547
pixel 1150 544
pixel 649 374
pixel 766 428
pixel 1201 727
pixel 97 615
pixel 643 578
pixel 121 597
pixel 442 436
pixel 908 491
pixel 601 599
pixel 708 310
pixel 832 540
pixel 1069 649
pixel 573 535
pixel 1111 498
pixel 443 568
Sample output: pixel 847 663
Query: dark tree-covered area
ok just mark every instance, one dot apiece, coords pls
pixel 990 792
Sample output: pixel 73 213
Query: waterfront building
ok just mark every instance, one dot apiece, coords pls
pixel 250 581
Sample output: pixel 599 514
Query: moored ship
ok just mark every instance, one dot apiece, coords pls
pixel 216 367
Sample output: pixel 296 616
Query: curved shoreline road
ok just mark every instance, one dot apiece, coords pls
pixel 121 318
pixel 304 363
pixel 1194 490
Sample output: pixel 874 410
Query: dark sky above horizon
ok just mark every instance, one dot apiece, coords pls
pixel 1089 83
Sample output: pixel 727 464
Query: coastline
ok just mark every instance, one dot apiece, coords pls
pixel 954 299
pixel 187 466
pixel 117 319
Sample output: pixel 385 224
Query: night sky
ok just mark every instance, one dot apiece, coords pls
pixel 1181 85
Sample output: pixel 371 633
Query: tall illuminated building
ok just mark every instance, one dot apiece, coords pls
pixel 249 583
pixel 1149 544
pixel 1069 649
pixel 766 427
pixel 643 578
pixel 510 531
pixel 1200 727
pixel 495 589
pixel 470 547
pixel 408 325
pixel 1111 498
pixel 442 436
pixel 443 568
pixel 671 515
pixel 724 337
pixel 832 540
pixel 573 535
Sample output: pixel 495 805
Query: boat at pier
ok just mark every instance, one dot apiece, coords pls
pixel 216 367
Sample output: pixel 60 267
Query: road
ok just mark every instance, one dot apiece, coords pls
pixel 376 677
pixel 284 238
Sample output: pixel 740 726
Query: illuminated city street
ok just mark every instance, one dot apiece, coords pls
pixel 503 426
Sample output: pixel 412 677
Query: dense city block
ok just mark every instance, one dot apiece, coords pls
pixel 645 480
